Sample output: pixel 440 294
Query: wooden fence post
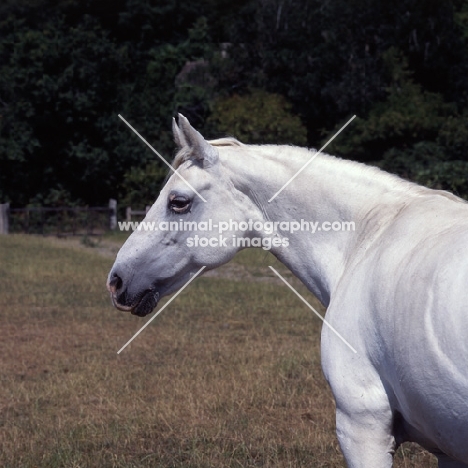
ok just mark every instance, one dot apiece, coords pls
pixel 113 214
pixel 4 213
pixel 128 213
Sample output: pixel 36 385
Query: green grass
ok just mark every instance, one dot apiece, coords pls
pixel 227 376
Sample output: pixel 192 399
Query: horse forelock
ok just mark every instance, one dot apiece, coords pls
pixel 183 155
pixel 186 153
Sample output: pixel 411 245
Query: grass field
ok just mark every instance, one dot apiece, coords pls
pixel 227 376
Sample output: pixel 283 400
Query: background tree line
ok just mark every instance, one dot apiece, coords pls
pixel 265 71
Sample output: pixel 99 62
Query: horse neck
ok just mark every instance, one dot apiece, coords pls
pixel 328 190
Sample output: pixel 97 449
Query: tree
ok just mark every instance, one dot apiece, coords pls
pixel 413 133
pixel 64 78
pixel 69 67
pixel 326 57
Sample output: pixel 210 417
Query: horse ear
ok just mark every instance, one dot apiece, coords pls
pixel 178 136
pixel 201 149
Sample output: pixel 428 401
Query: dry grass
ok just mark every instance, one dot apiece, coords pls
pixel 228 376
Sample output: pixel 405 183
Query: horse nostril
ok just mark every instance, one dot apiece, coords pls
pixel 115 282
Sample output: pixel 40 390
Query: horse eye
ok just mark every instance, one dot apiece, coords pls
pixel 179 204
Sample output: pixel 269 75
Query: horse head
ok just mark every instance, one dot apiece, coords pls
pixel 175 240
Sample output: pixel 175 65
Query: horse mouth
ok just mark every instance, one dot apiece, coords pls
pixel 142 305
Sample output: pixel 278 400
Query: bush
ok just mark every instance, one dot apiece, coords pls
pixel 258 118
pixel 142 185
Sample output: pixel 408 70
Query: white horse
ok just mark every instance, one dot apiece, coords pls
pixel 395 288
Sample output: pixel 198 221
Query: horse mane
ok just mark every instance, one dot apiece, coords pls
pixel 394 181
pixel 228 141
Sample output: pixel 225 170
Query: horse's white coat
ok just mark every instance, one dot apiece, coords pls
pixel 394 288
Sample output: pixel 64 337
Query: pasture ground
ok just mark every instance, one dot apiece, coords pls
pixel 228 376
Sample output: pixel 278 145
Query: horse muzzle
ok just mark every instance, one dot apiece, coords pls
pixel 142 305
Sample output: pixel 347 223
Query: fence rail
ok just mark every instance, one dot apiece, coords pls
pixel 129 212
pixel 62 221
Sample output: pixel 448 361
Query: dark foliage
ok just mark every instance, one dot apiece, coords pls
pixel 69 67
